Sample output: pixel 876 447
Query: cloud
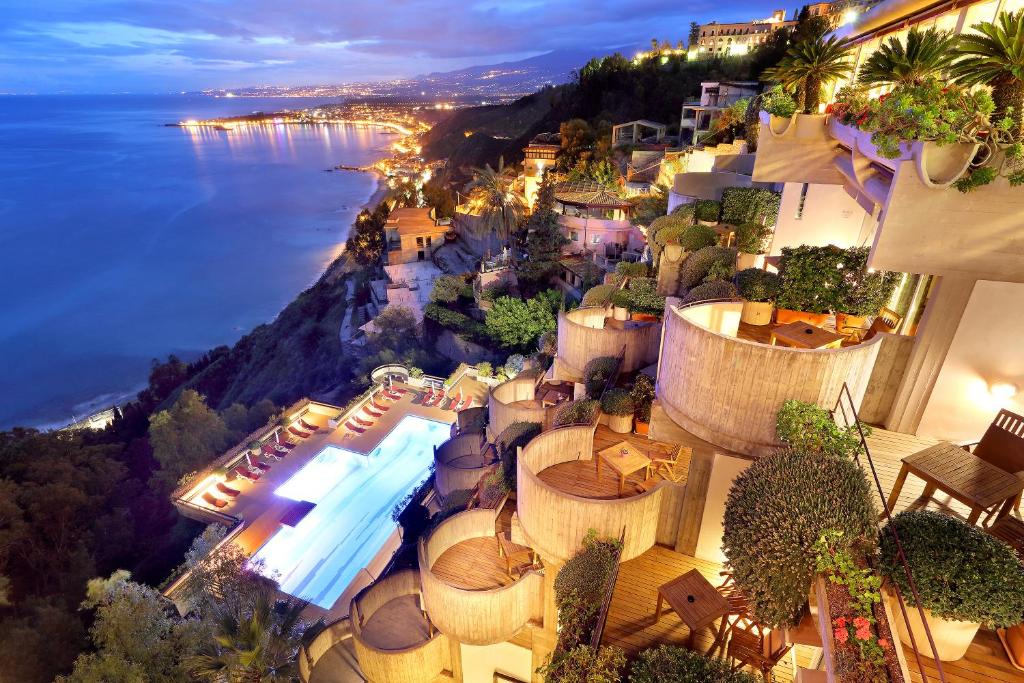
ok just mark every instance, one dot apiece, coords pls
pixel 159 45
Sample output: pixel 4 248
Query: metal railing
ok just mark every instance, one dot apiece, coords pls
pixel 846 408
pixel 609 591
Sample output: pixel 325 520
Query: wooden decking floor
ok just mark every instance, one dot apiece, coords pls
pixel 398 624
pixel 579 477
pixel 473 564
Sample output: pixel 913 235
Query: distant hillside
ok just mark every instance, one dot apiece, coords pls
pixel 522 76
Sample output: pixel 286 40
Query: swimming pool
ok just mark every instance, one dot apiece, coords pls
pixel 354 495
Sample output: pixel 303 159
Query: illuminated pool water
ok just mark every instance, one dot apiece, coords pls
pixel 354 494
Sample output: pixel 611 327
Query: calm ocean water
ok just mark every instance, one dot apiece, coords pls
pixel 122 240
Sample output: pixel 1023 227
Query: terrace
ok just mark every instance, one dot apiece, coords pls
pixel 587 333
pixel 527 397
pixel 630 624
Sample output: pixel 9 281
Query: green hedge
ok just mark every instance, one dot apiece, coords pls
pixel 597 372
pixel 580 589
pixel 456 322
pixel 754 284
pixel 643 396
pixel 582 411
pixel 671 664
pixel 809 427
pixel 710 291
pixel 696 266
pixel 627 269
pixel 775 512
pixel 708 210
pixel 750 205
pixel 599 295
pixel 617 402
pixel 961 573
pixel 753 238
pixel 811 278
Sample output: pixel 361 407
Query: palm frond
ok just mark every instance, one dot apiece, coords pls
pixel 993 51
pixel 926 53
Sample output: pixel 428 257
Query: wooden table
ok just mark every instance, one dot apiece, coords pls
pixel 981 486
pixel 624 458
pixel 694 599
pixel 802 335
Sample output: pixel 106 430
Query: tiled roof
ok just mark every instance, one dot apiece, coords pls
pixel 588 193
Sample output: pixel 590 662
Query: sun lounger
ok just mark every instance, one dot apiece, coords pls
pixel 255 464
pixel 428 397
pixel 393 396
pixel 438 397
pixel 307 426
pixel 298 432
pixel 352 428
pixel 227 490
pixel 371 412
pixel 214 500
pixel 246 473
pixel 281 448
pixel 462 403
pixel 288 445
pixel 272 452
pixel 362 422
pixel 378 406
pixel 399 390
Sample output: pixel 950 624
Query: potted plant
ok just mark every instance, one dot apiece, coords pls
pixel 620 304
pixel 643 396
pixel 617 404
pixel 758 289
pixel 963 576
pixel 809 279
pixel 751 243
pixel 643 301
pixel 778 109
pixel 708 211
pixel 597 372
pixel 988 56
pixel 415 377
pixel 582 411
pixel 861 292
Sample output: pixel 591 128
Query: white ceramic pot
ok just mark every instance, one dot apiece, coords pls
pixel 744 261
pixel 415 381
pixel 620 313
pixel 620 424
pixel 952 638
pixel 798 126
pixel 756 312
pixel 710 224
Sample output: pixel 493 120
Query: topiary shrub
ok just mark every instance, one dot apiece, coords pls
pixel 961 573
pixel 776 511
pixel 710 291
pixel 720 270
pixel 805 426
pixel 671 664
pixel 584 664
pixel 643 396
pixel 642 284
pixel 513 437
pixel 597 372
pixel 811 278
pixel 617 402
pixel 753 238
pixel 583 411
pixel 696 266
pixel 694 237
pixel 484 369
pixel 580 588
pixel 750 205
pixel 754 284
pixel 708 210
pixel 626 269
pixel 621 298
pixel 599 296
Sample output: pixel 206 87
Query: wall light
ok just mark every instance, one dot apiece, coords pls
pixel 1002 390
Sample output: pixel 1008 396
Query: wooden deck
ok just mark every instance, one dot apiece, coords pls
pixel 398 624
pixel 579 477
pixel 630 617
pixel 473 565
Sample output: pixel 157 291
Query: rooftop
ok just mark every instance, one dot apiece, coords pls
pixel 588 193
pixel 411 222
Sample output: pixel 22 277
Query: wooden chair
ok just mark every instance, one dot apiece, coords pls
pixel 1010 530
pixel 757 647
pixel 739 610
pixel 675 467
pixel 510 551
pixel 885 322
pixel 1002 444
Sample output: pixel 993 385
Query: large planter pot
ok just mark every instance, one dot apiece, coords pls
pixel 641 427
pixel 938 166
pixel 798 126
pixel 756 312
pixel 784 316
pixel 643 317
pixel 620 424
pixel 620 313
pixel 952 638
pixel 415 381
pixel 1013 641
pixel 744 261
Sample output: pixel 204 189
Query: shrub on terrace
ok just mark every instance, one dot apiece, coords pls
pixel 708 210
pixel 617 402
pixel 643 396
pixel 754 284
pixel 515 436
pixel 811 278
pixel 697 265
pixel 753 238
pixel 750 205
pixel 599 295
pixel 597 372
pixel 580 588
pixel 777 102
pixel 484 369
pixel 448 288
pixel 961 573
pixel 514 364
pixel 582 411
pixel 805 426
pixel 775 512
pixel 584 664
pixel 626 269
pixel 671 664
pixel 710 291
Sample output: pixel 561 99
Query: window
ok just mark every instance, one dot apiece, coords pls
pixel 803 200
pixel 428 241
pixel 596 239
pixel 419 241
pixel 574 236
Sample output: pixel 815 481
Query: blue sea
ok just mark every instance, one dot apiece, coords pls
pixel 124 240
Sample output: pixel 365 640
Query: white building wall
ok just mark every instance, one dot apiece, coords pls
pixel 481 662
pixel 829 216
pixel 987 348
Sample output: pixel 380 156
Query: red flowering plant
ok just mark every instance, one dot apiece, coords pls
pixel 861 652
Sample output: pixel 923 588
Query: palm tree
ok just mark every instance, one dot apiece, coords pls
pixel 926 54
pixel 994 55
pixel 808 65
pixel 501 209
pixel 255 639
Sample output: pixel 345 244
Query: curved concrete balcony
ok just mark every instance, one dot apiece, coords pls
pixel 588 333
pixel 515 401
pixel 796 150
pixel 556 504
pixel 393 639
pixel 469 590
pixel 728 390
pixel 460 463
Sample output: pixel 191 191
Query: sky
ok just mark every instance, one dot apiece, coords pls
pixel 156 46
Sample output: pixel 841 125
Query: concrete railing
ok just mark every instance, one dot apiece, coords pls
pixel 420 663
pixel 460 462
pixel 582 336
pixel 476 617
pixel 728 390
pixel 500 400
pixel 310 653
pixel 555 521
